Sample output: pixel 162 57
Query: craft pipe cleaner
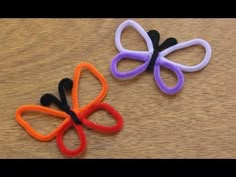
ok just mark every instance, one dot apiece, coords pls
pixel 74 116
pixel 155 57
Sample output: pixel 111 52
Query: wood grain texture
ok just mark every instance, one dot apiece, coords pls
pixel 199 122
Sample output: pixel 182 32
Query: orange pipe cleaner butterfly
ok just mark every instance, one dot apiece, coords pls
pixel 73 117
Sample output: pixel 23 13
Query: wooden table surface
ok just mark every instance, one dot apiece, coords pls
pixel 199 122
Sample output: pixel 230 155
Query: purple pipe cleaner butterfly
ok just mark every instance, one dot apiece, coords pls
pixel 154 58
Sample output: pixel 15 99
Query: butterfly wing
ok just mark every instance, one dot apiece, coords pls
pixel 41 109
pixel 139 29
pixel 186 44
pixel 160 82
pixel 76 80
pixel 80 134
pixel 143 56
pixel 178 68
pixel 129 74
pixel 98 127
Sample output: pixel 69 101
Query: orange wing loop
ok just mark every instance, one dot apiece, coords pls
pixel 76 80
pixel 36 108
